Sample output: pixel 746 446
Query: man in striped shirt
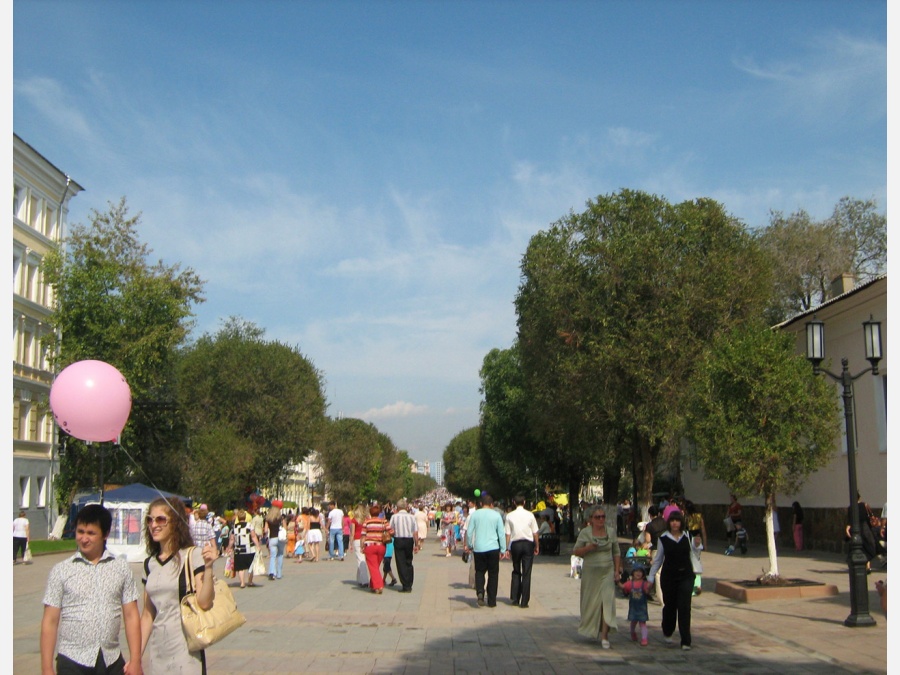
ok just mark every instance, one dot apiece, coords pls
pixel 405 530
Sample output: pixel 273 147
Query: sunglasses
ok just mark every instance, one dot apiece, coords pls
pixel 162 521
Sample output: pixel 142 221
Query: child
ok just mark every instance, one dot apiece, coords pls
pixel 695 563
pixel 740 539
pixel 637 591
pixel 637 554
pixel 386 566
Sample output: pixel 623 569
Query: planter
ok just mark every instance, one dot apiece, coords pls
pixel 789 589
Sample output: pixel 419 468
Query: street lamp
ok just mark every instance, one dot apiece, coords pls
pixel 856 560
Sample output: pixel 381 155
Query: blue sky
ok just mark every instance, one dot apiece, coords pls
pixel 361 179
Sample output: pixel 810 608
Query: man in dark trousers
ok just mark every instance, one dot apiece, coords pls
pixel 486 538
pixel 405 530
pixel 523 543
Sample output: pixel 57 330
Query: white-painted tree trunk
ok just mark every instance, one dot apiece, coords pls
pixel 770 535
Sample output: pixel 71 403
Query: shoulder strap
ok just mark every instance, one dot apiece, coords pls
pixel 188 572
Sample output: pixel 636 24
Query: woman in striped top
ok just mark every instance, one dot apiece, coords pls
pixel 373 540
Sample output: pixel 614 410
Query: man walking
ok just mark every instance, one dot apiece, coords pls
pixel 523 543
pixel 405 530
pixel 201 530
pixel 487 540
pixel 336 532
pixel 87 596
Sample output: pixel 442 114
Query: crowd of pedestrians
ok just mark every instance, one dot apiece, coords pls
pixel 90 594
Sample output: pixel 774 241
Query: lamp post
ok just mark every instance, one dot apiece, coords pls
pixel 856 559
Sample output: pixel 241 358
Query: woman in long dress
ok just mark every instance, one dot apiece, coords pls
pixel 598 547
pixel 449 522
pixel 168 543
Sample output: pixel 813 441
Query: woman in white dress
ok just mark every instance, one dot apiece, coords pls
pixel 168 543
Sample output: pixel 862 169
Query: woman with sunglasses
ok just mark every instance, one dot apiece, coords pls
pixel 598 547
pixel 168 540
pixel 674 561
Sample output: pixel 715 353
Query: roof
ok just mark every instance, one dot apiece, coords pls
pixel 136 492
pixel 812 310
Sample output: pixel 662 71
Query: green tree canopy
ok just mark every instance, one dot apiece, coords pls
pixel 761 421
pixel 114 305
pixel 362 464
pixel 265 396
pixel 463 469
pixel 510 455
pixel 614 308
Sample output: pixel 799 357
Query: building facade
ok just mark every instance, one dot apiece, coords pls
pixel 41 196
pixel 825 495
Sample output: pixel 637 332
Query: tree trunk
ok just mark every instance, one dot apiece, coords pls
pixel 770 535
pixel 574 493
pixel 647 455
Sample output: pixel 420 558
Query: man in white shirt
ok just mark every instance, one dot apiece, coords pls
pixel 523 543
pixel 336 533
pixel 88 596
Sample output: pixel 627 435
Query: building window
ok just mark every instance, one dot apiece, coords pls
pixel 24 419
pixel 24 492
pixel 18 200
pixel 42 492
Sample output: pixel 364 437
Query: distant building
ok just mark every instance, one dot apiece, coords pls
pixel 437 472
pixel 41 195
pixel 421 467
pixel 304 484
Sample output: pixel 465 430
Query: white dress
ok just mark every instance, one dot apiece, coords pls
pixel 167 648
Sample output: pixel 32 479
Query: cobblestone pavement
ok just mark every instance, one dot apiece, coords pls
pixel 317 620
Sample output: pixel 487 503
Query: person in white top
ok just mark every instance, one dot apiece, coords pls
pixel 21 536
pixel 523 543
pixel 336 532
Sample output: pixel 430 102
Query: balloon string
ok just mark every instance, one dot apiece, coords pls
pixel 153 485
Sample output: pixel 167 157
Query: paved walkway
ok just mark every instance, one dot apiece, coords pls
pixel 316 620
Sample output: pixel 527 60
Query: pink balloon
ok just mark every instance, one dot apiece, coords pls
pixel 91 400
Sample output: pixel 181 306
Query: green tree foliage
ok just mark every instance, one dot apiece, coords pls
pixel 361 464
pixel 761 421
pixel 265 396
pixel 420 485
pixel 807 255
pixel 615 306
pixel 114 305
pixel 464 471
pixel 509 454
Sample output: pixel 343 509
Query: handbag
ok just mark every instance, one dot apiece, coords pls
pixel 258 567
pixel 26 557
pixel 874 521
pixel 386 537
pixel 229 566
pixel 205 627
pixel 465 556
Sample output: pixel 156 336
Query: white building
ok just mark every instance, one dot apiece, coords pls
pixel 41 195
pixel 437 472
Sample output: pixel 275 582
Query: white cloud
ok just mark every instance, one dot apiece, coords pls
pixel 398 409
pixel 51 100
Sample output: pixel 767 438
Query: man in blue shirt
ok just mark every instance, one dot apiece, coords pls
pixel 486 538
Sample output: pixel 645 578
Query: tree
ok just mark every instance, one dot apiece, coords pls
pixel 509 454
pixel 615 305
pixel 361 464
pixel 463 469
pixel 807 255
pixel 113 305
pixel 420 485
pixel 761 421
pixel 266 394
